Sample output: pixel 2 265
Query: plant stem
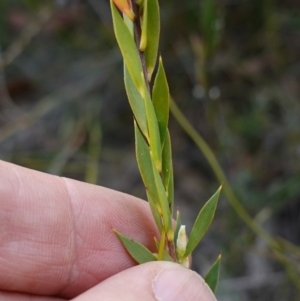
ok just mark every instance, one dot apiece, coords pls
pixel 137 38
pixel 162 245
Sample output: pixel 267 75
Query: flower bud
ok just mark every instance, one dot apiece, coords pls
pixel 181 242
pixel 181 247
pixel 125 7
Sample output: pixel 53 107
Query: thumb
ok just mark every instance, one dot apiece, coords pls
pixel 153 281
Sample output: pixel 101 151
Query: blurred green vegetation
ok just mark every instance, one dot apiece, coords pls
pixel 233 68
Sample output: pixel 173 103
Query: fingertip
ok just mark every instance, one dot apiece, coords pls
pixel 153 281
pixel 176 283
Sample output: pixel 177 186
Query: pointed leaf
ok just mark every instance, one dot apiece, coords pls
pixel 155 213
pixel 153 181
pixel 136 103
pixel 155 144
pixel 202 222
pixel 153 31
pixel 161 100
pixel 164 204
pixel 145 165
pixel 128 48
pixel 212 277
pixel 137 251
pixel 144 37
pixel 167 170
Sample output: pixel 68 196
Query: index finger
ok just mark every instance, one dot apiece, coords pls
pixel 56 234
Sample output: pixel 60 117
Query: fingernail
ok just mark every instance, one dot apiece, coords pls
pixel 179 284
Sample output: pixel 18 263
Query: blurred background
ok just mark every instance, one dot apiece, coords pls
pixel 233 68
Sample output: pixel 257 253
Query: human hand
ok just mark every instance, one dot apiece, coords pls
pixel 57 243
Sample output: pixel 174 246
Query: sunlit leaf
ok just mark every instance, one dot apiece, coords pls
pixel 212 277
pixel 161 100
pixel 153 31
pixel 202 222
pixel 136 103
pixel 128 48
pixel 137 251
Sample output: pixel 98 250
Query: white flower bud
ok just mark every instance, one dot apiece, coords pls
pixel 181 242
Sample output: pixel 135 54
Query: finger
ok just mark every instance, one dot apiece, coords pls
pixel 163 281
pixel 56 234
pixel 6 296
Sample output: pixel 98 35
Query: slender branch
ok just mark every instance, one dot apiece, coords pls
pixel 137 38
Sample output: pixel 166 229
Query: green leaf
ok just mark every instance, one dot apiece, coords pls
pixel 161 100
pixel 167 170
pixel 137 251
pixel 128 23
pixel 152 180
pixel 155 144
pixel 145 165
pixel 155 213
pixel 164 204
pixel 153 31
pixel 136 103
pixel 144 36
pixel 131 58
pixel 128 48
pixel 212 277
pixel 202 222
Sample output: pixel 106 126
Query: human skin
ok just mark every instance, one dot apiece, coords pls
pixel 57 243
